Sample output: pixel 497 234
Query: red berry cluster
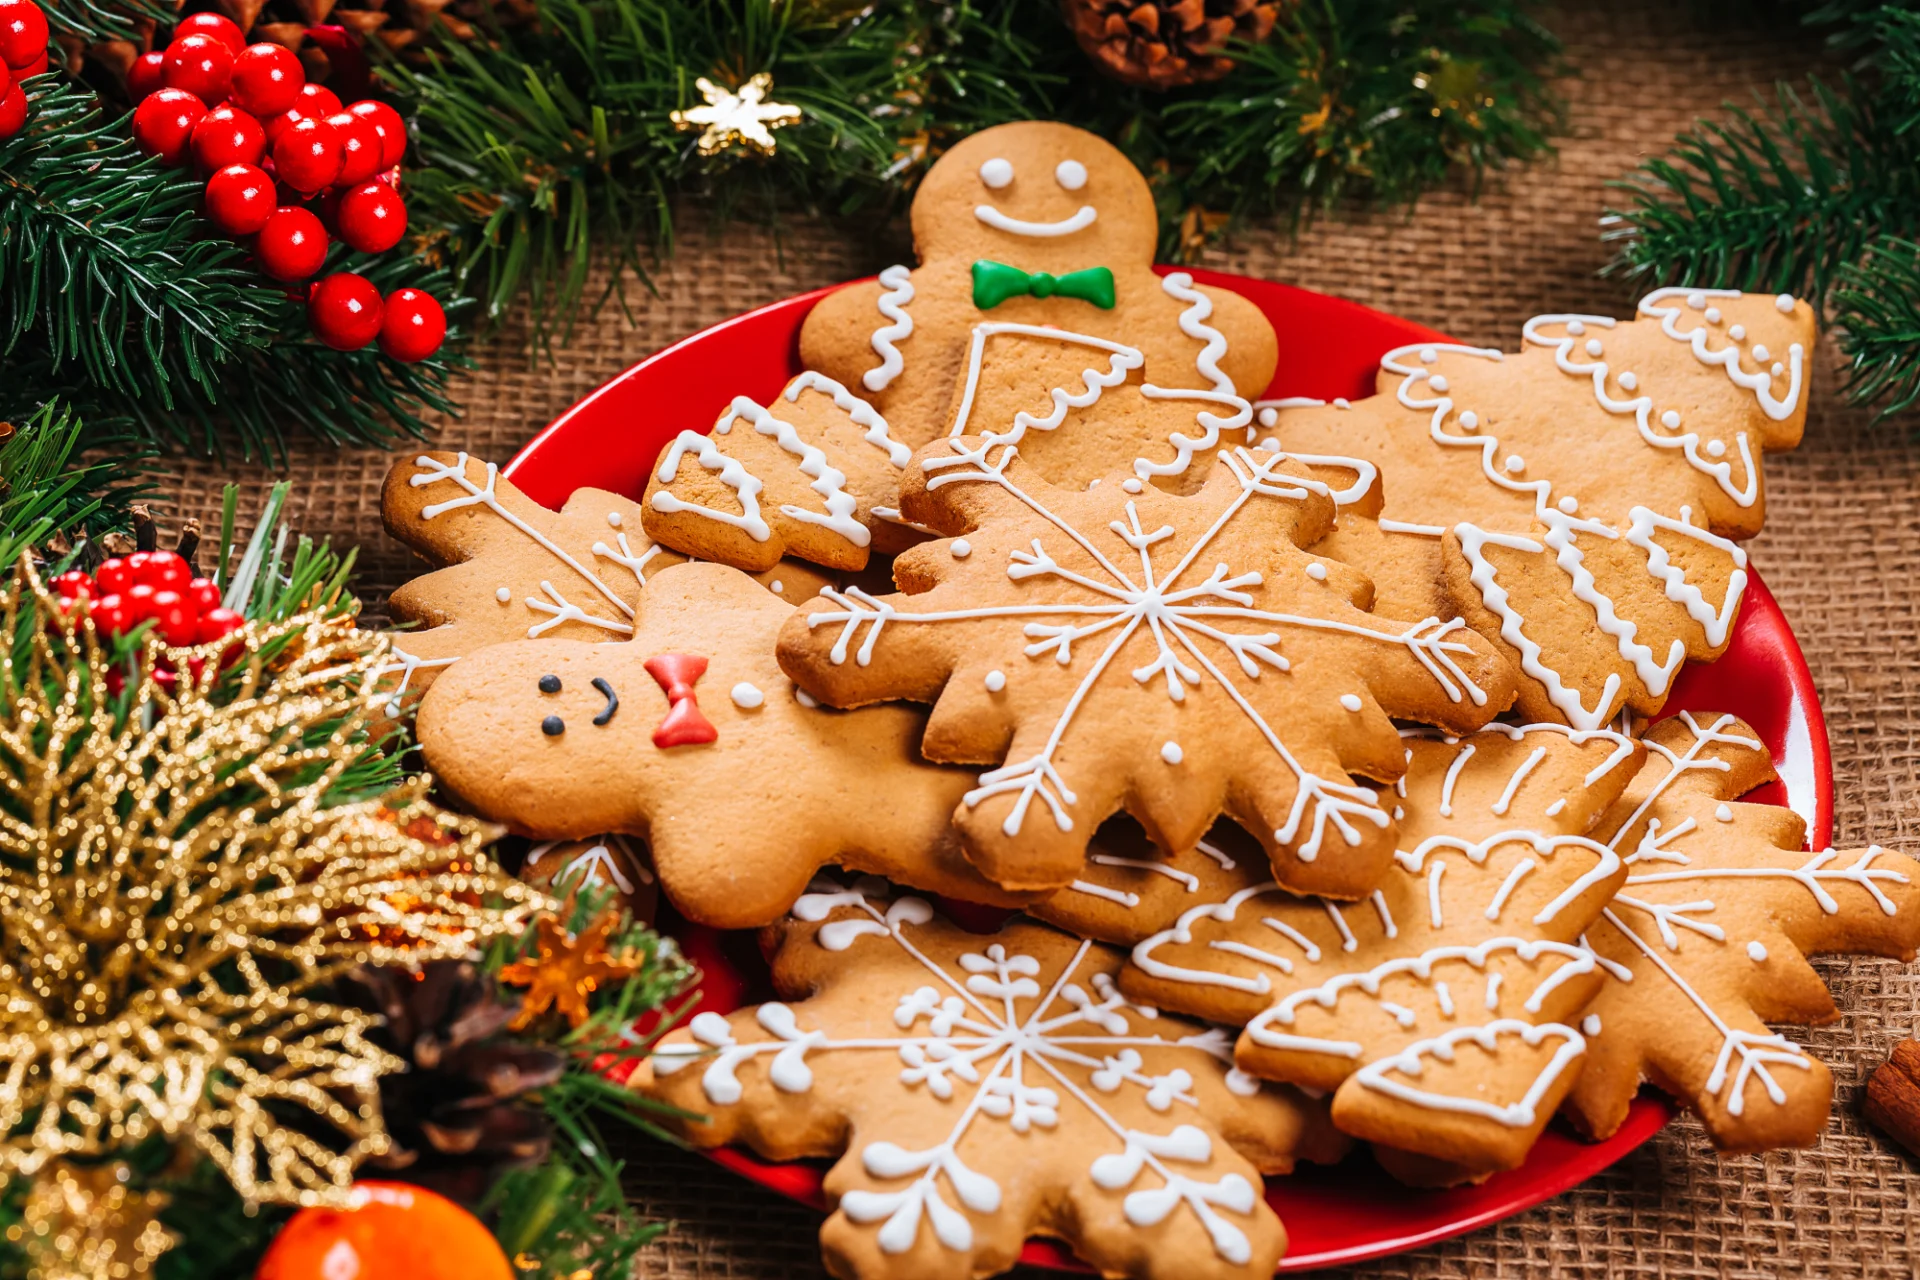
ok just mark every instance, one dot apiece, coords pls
pixel 271 144
pixel 156 587
pixel 23 53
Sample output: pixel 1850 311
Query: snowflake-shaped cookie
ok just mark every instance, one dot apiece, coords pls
pixel 1444 1011
pixel 1118 647
pixel 1580 501
pixel 1705 943
pixel 514 570
pixel 980 1089
pixel 687 735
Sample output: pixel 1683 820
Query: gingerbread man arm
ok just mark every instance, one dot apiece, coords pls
pixel 1253 352
pixel 836 338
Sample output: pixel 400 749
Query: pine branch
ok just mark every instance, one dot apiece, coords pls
pixel 1775 201
pixel 44 491
pixel 1876 305
pixel 106 19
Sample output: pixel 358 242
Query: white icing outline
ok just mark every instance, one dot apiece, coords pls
pixel 1728 358
pixel 826 480
pixel 896 292
pixel 1080 221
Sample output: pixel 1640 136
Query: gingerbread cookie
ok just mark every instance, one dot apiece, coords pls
pixel 1118 647
pixel 1581 501
pixel 1131 889
pixel 1706 943
pixel 1034 224
pixel 1444 1013
pixel 513 570
pixel 688 736
pixel 801 477
pixel 980 1089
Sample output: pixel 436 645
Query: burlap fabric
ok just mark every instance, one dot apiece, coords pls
pixel 1842 552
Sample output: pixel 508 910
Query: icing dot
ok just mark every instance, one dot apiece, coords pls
pixel 1132 485
pixel 1591 1024
pixel 997 172
pixel 1438 382
pixel 1341 402
pixel 1778 368
pixel 1760 352
pixel 1629 380
pixel 1318 572
pixel 503 595
pixel 1784 302
pixel 1696 300
pixel 1576 328
pixel 746 697
pixel 804 698
pixel 1269 416
pixel 1271 444
pixel 1724 813
pixel 960 548
pixel 1569 504
pixel 1756 953
pixel 1713 315
pixel 1715 448
pixel 613 518
pixel 1593 346
pixel 1469 420
pixel 1428 355
pixel 1737 332
pixel 1351 701
pixel 996 681
pixel 1070 174
pixel 1171 752
pixel 553 726
pixel 549 683
pixel 779 587
pixel 1516 463
pixel 1670 419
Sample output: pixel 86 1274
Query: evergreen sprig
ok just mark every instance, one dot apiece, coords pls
pixel 1876 304
pixel 45 490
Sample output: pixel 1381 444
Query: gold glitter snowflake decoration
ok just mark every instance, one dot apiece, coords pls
pixel 177 887
pixel 740 115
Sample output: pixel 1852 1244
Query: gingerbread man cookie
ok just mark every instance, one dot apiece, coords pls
pixel 1582 501
pixel 1033 224
pixel 1119 647
pixel 687 735
pixel 977 1089
pixel 510 569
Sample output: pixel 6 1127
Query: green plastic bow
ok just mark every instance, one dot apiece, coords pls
pixel 995 282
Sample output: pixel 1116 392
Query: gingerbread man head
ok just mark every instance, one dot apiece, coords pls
pixel 1038 195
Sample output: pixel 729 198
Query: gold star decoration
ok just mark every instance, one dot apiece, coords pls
pixel 568 968
pixel 84 1223
pixel 179 880
pixel 740 115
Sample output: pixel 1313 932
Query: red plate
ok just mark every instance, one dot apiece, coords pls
pixel 1329 347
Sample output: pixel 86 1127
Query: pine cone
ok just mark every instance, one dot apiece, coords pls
pixel 1169 43
pixel 459 1115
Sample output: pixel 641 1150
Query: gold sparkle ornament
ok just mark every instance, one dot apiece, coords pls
pixel 566 970
pixel 740 115
pixel 84 1223
pixel 177 885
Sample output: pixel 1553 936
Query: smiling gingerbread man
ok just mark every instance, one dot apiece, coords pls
pixel 1031 226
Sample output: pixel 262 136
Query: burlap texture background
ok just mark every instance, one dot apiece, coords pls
pixel 1842 553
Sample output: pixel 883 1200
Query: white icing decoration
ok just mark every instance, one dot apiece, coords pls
pixel 827 481
pixel 1132 484
pixel 637 565
pixel 960 548
pixel 1070 174
pixel 896 292
pixel 1723 812
pixel 1080 221
pixel 1317 571
pixel 563 610
pixel 1351 701
pixel 1127 900
pixel 861 413
pixel 1185 878
pixel 1386 1075
pixel 1783 303
pixel 745 486
pixel 997 172
pixel 613 519
pixel 1590 1025
pixel 996 681
pixel 1569 504
pixel 1193 323
pixel 406 664
pixel 746 696
pixel 503 594
pixel 1728 358
pixel 779 587
pixel 1516 463
pixel 1171 752
pixel 804 698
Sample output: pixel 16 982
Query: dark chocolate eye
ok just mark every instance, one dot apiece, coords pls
pixel 549 684
pixel 553 726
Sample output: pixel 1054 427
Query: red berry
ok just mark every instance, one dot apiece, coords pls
pixel 137 600
pixel 23 33
pixel 371 217
pixel 177 622
pixel 74 584
pixel 387 123
pixel 227 135
pixel 413 327
pixel 267 79
pixel 317 100
pixel 7 75
pixel 166 570
pixel 292 244
pixel 221 28
pixel 201 65
pixel 13 112
pixel 240 199
pixel 38 67
pixel 307 156
pixel 359 148
pixel 219 623
pixel 109 614
pixel 148 73
pixel 344 311
pixel 203 595
pixel 112 575
pixel 163 123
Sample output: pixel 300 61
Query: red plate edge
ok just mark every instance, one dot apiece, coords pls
pixel 1329 347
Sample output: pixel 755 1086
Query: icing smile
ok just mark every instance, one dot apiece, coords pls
pixel 1020 227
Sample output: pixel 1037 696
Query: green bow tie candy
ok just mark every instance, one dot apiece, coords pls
pixel 995 282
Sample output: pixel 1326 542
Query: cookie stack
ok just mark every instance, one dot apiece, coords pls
pixel 1304 747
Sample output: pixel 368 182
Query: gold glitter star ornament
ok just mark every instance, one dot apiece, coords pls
pixel 740 115
pixel 178 883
